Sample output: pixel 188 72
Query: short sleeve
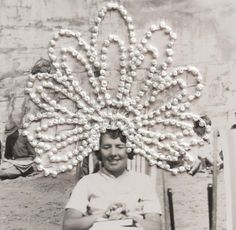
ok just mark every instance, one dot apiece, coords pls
pixel 79 197
pixel 151 202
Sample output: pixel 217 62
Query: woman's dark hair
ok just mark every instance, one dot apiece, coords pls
pixel 117 133
pixel 114 134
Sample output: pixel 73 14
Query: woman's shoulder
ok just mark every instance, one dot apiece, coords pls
pixel 139 180
pixel 89 178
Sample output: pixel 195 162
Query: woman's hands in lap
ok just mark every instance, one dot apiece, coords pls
pixel 116 211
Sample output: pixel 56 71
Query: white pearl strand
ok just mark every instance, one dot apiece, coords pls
pixel 75 54
pixel 144 48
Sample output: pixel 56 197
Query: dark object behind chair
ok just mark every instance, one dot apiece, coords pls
pixel 210 203
pixel 171 208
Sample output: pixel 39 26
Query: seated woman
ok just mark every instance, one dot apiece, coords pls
pixel 113 193
pixel 18 156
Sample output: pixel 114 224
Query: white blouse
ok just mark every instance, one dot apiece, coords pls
pixel 97 191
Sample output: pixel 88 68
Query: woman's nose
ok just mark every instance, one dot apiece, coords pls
pixel 113 151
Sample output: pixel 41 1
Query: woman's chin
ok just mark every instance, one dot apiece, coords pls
pixel 115 169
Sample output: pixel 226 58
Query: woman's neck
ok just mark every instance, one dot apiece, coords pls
pixel 115 174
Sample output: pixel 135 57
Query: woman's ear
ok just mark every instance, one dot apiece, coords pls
pixel 131 155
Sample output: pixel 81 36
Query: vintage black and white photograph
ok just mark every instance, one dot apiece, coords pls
pixel 117 115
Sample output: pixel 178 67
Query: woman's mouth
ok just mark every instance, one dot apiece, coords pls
pixel 114 161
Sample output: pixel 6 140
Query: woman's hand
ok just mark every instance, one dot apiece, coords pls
pixel 75 220
pixel 116 211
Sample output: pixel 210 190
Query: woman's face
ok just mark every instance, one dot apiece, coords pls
pixel 113 154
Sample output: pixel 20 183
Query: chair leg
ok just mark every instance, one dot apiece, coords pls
pixel 210 203
pixel 171 208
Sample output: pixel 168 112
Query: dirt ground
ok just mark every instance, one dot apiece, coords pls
pixel 37 202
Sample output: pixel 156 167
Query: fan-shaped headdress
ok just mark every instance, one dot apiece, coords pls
pixel 157 120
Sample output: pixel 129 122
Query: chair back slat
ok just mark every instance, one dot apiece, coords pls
pixel 138 164
pixel 91 163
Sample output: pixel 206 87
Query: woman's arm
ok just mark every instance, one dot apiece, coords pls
pixel 151 221
pixel 74 220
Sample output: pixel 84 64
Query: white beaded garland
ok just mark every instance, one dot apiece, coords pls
pixel 130 114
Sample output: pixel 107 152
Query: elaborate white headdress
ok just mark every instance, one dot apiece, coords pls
pixel 157 121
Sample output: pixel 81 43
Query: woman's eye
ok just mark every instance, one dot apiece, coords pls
pixel 120 146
